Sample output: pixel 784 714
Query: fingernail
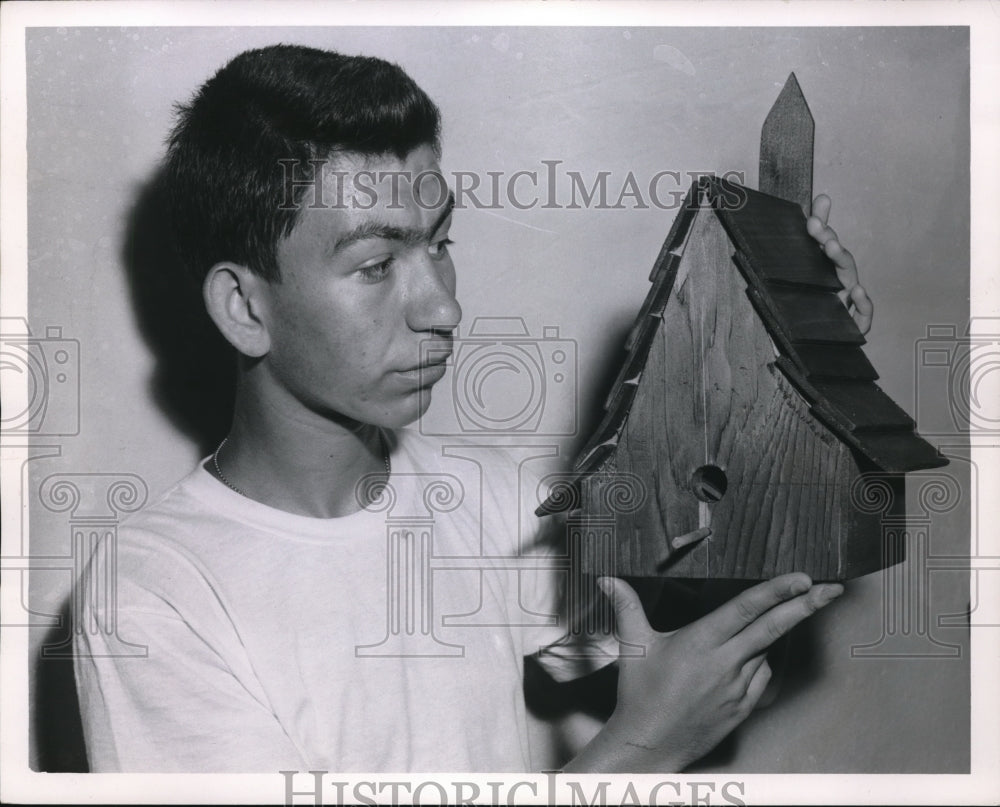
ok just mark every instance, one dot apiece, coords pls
pixel 800 587
pixel 604 585
pixel 829 593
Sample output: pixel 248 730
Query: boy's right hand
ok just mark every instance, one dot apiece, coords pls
pixel 695 685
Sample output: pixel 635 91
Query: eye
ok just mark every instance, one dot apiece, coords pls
pixel 376 272
pixel 439 249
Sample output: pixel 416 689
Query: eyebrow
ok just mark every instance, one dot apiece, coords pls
pixel 410 236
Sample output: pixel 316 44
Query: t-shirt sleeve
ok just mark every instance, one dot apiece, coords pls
pixel 156 691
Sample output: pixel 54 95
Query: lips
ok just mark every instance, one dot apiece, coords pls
pixel 431 370
pixel 436 356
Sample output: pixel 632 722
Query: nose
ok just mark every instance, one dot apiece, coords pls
pixel 431 304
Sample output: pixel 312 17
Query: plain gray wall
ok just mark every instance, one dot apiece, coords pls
pixel 892 149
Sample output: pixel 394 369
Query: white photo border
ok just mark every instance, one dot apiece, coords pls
pixel 982 785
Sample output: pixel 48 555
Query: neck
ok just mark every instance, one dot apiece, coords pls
pixel 299 462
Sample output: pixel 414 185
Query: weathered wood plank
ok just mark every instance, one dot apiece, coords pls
pixel 900 452
pixel 864 406
pixel 786 147
pixel 653 304
pixel 834 361
pixel 771 233
pixel 710 397
pixel 620 395
pixel 893 447
pixel 679 228
pixel 598 450
pixel 814 316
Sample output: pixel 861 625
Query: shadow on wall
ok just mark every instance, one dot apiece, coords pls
pixel 194 380
pixel 670 604
pixel 193 385
pixel 56 726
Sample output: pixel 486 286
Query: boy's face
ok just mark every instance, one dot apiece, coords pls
pixel 361 290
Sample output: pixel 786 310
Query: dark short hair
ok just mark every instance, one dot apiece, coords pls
pixel 227 188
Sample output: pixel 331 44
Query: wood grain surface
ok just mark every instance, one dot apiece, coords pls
pixel 786 147
pixel 710 395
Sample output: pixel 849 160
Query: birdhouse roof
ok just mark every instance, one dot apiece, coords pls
pixel 793 288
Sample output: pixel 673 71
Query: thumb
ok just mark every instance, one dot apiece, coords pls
pixel 821 207
pixel 632 625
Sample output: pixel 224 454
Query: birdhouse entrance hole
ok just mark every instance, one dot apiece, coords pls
pixel 709 483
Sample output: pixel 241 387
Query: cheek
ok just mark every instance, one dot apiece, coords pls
pixel 339 338
pixel 345 358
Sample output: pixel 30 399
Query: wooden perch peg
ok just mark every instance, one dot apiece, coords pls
pixel 786 147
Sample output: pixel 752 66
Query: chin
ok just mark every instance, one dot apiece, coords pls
pixel 407 412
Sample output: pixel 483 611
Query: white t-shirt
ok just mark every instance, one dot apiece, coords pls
pixel 391 639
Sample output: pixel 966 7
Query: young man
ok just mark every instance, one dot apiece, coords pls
pixel 287 623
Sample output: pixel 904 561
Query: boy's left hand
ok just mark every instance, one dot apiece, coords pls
pixel 854 295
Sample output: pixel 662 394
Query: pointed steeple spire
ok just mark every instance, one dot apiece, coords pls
pixel 786 147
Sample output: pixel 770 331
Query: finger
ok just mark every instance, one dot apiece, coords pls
pixel 821 208
pixel 756 638
pixel 864 309
pixel 758 683
pixel 728 620
pixel 630 619
pixel 691 538
pixel 818 229
pixel 749 669
pixel 847 269
pixel 843 260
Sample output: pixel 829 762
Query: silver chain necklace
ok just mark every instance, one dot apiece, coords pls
pixel 231 486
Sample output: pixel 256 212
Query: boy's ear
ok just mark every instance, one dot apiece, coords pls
pixel 234 298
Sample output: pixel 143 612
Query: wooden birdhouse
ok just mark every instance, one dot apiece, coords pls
pixel 745 402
